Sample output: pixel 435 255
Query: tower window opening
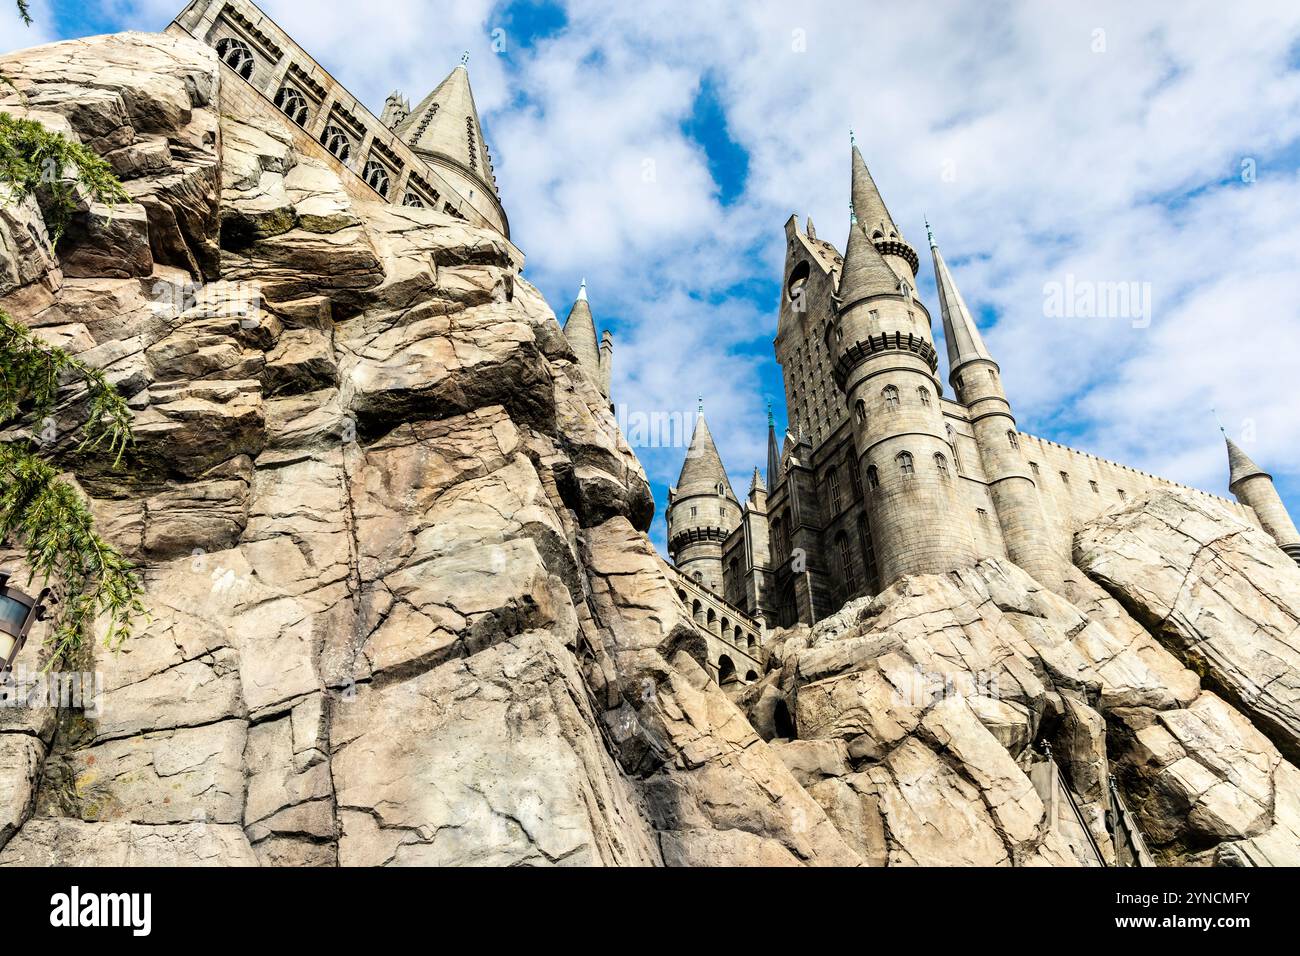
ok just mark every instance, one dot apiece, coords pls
pixel 833 489
pixel 1014 439
pixel 1065 478
pixel 924 394
pixel 236 55
pixel 1095 489
pixel 860 411
pixel 292 104
pixel 1034 467
pixel 337 142
pixel 905 464
pixel 377 177
pixel 890 394
pixel 941 465
pixel 846 564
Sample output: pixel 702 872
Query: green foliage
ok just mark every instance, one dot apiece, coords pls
pixel 24 11
pixel 46 514
pixel 34 160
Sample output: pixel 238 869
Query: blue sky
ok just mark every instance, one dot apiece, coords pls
pixel 657 150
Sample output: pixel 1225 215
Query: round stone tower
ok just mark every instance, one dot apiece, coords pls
pixel 885 363
pixel 977 381
pixel 1253 487
pixel 702 511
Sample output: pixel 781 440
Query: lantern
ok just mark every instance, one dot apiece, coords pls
pixel 18 612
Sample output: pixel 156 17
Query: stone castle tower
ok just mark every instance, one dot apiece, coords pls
pixel 881 474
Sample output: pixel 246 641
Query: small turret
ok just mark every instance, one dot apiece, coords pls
pixel 606 360
pixel 396 108
pixel 773 452
pixel 580 330
pixel 1253 487
pixel 702 510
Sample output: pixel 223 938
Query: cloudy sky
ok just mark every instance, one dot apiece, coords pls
pixel 657 149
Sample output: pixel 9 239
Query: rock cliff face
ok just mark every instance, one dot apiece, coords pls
pixel 403 609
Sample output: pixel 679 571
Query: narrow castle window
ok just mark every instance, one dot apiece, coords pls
pixel 693 512
pixel 1014 439
pixel 905 465
pixel 1065 478
pixel 1122 495
pixel 924 393
pixel 833 489
pixel 337 142
pixel 868 552
pixel 993 376
pixel 891 397
pixel 873 477
pixel 941 465
pixel 846 563
pixel 292 104
pixel 377 177
pixel 236 55
pixel 722 490
pixel 983 515
pixel 855 477
pixel 1034 466
pixel 1095 489
pixel 860 411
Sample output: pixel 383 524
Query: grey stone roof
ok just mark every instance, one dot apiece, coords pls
pixel 580 330
pixel 1239 464
pixel 865 270
pixel 702 469
pixel 960 332
pixel 437 126
pixel 868 205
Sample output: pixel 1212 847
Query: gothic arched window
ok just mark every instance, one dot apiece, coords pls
pixel 236 55
pixel 292 104
pixel 413 200
pixel 1014 439
pixel 905 465
pixel 873 477
pixel 860 411
pixel 337 142
pixel 890 394
pixel 924 394
pixel 377 177
pixel 941 464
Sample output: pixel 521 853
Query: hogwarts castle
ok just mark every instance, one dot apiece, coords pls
pixel 881 474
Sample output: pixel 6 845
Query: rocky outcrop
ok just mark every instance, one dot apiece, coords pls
pixel 1217 592
pixel 402 605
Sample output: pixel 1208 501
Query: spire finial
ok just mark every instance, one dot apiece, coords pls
pixel 1219 421
pixel 464 59
pixel 582 290
pixel 929 234
pixel 853 140
pixel 700 399
pixel 771 421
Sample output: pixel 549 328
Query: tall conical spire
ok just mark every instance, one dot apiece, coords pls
pixel 756 483
pixel 445 124
pixel 580 330
pixel 1240 465
pixel 965 344
pixel 773 451
pixel 868 205
pixel 703 466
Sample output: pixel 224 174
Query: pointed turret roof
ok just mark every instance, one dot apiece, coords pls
pixel 445 124
pixel 965 344
pixel 773 452
pixel 865 271
pixel 868 205
pixel 1239 464
pixel 702 469
pixel 756 483
pixel 580 330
